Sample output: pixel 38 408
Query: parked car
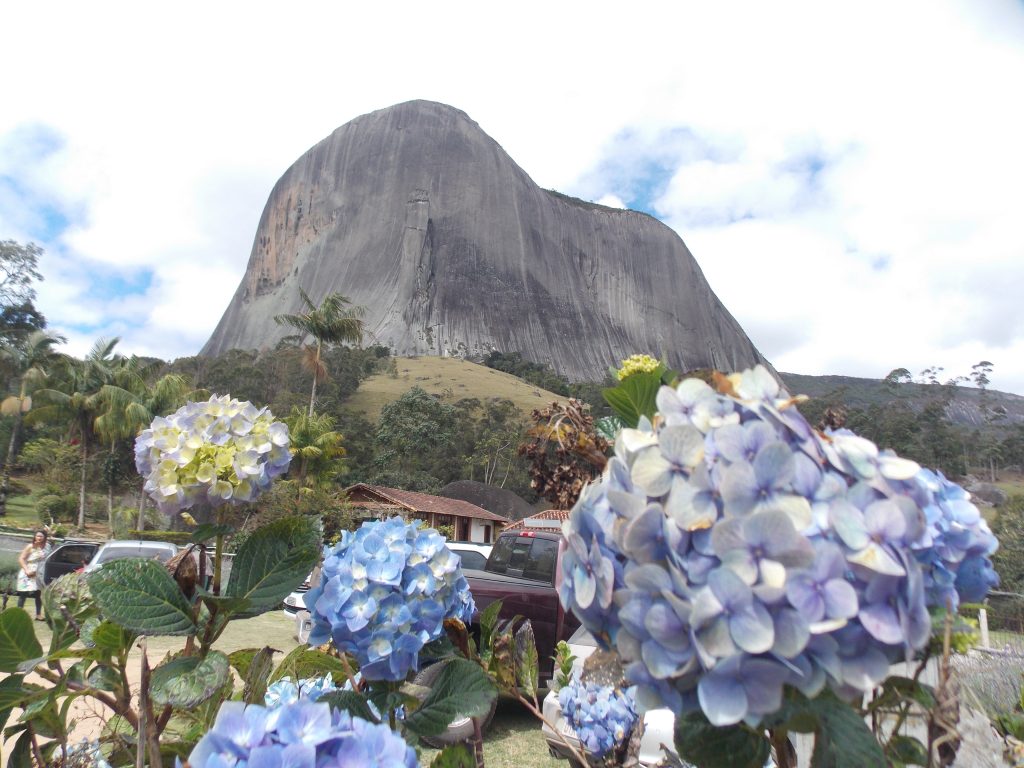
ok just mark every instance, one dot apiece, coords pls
pixel 87 556
pixel 124 549
pixel 68 557
pixel 474 556
pixel 524 571
pixel 294 605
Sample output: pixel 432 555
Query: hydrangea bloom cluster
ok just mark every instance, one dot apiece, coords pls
pixel 86 754
pixel 385 592
pixel 288 691
pixel 218 451
pixel 637 364
pixel 303 734
pixel 601 715
pixel 730 550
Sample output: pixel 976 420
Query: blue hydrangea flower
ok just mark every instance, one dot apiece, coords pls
pixel 602 716
pixel 219 451
pixel 288 691
pixel 385 592
pixel 730 550
pixel 302 734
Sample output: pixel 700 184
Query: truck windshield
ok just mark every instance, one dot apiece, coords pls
pixel 526 557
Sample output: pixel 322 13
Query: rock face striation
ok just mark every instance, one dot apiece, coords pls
pixel 419 216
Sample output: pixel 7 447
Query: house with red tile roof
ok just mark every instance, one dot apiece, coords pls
pixel 470 522
pixel 549 519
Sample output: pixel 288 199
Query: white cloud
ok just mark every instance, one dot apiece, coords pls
pixel 847 177
pixel 612 201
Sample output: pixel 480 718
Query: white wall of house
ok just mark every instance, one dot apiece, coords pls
pixel 476 531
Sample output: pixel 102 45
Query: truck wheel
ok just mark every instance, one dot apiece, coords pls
pixel 461 729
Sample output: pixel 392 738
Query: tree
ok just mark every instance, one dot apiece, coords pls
pixel 29 361
pixel 416 440
pixel 19 320
pixel 18 271
pixel 980 374
pixel 895 377
pixel 1009 558
pixel 315 443
pixel 495 435
pixel 130 404
pixel 332 322
pixel 75 401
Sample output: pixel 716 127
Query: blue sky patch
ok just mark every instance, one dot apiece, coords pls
pixel 112 285
pixel 637 168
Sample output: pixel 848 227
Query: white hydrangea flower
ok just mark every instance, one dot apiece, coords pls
pixel 220 451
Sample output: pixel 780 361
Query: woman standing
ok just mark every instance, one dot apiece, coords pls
pixel 30 577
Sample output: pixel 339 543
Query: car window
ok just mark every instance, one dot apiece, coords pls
pixel 474 560
pixel 73 554
pixel 498 561
pixel 119 553
pixel 540 563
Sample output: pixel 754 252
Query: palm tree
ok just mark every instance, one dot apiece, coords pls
pixel 131 405
pixel 29 361
pixel 76 401
pixel 313 441
pixel 333 322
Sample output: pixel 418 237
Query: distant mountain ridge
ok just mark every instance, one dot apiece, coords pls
pixel 418 215
pixel 964 407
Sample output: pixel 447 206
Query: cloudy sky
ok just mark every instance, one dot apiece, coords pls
pixel 850 176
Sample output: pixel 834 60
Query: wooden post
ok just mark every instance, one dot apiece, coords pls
pixel 983 628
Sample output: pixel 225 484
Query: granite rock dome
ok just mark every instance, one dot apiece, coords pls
pixel 418 215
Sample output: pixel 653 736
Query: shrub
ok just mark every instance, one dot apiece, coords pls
pixel 57 462
pixel 8 572
pixel 53 508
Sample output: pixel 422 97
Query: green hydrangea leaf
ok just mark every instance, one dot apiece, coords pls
pixel 734 746
pixel 454 756
pixel 141 596
pixel 260 666
pixel 462 689
pixel 309 662
pixel 18 642
pixel 187 681
pixel 273 562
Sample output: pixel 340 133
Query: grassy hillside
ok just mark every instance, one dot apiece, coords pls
pixel 451 379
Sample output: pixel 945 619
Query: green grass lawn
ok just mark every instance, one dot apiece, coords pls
pixel 514 740
pixel 21 513
pixel 450 379
pixel 1013 485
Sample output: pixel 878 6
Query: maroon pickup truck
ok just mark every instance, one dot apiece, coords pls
pixel 524 571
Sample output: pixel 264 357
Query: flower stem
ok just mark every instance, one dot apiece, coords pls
pixel 478 743
pixel 217 557
pixel 780 743
pixel 577 753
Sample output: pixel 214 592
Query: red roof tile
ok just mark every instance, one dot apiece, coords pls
pixel 424 502
pixel 548 514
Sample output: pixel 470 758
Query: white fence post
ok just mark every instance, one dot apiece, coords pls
pixel 983 627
